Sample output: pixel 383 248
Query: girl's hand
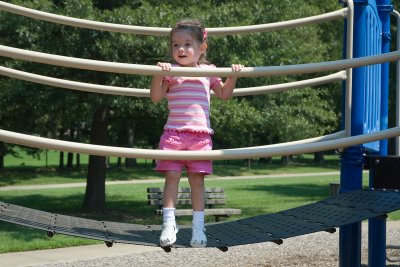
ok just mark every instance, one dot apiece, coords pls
pixel 237 67
pixel 164 65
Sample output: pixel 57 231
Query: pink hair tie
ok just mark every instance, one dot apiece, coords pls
pixel 204 35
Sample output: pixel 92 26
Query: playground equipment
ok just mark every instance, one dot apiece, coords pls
pixel 367 34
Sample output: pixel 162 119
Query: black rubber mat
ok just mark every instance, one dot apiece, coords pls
pixel 324 215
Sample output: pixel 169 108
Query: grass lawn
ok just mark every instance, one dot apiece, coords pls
pixel 31 171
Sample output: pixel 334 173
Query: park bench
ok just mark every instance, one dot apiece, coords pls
pixel 213 196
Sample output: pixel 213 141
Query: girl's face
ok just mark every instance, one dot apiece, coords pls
pixel 186 50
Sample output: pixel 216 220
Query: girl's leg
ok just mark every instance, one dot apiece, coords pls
pixel 196 181
pixel 171 185
pixel 169 228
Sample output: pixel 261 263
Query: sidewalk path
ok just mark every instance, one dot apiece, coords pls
pixel 63 255
pixel 149 181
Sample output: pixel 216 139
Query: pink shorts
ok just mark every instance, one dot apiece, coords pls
pixel 174 140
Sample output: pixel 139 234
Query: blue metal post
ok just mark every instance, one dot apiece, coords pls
pixel 384 10
pixel 377 226
pixel 352 157
pixel 350 179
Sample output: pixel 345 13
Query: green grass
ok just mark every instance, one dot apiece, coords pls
pixel 30 171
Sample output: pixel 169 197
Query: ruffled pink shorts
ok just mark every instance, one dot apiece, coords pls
pixel 174 140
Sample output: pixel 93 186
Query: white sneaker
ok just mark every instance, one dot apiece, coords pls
pixel 199 239
pixel 168 234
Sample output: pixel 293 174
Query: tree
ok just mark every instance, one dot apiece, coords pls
pixel 104 119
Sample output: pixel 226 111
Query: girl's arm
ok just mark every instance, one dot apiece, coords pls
pixel 224 90
pixel 159 88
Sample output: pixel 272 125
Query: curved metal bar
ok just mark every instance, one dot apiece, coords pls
pixel 126 68
pixel 338 76
pixel 283 149
pixel 114 90
pixel 79 86
pixel 349 55
pixel 397 247
pixel 103 26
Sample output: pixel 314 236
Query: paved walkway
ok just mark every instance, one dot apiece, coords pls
pixel 51 256
pixel 149 181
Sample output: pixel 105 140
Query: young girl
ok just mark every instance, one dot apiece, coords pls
pixel 188 124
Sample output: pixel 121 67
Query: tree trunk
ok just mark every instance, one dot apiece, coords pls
pixel 70 160
pixel 129 162
pixel 1 163
pixel 264 160
pixel 95 195
pixel 61 154
pixel 318 157
pixel 286 160
pixel 78 161
pixel 77 156
pixel 61 160
pixel 70 156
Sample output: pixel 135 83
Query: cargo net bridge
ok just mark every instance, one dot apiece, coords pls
pixel 324 215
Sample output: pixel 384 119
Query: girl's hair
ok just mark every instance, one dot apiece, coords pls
pixel 197 31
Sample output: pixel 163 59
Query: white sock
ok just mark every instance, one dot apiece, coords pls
pixel 198 219
pixel 169 215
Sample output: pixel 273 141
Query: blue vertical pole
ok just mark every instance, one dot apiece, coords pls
pixel 350 179
pixel 352 157
pixel 377 226
pixel 384 10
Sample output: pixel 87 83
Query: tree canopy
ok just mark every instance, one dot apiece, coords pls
pixel 137 122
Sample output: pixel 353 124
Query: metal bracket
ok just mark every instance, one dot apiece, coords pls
pixel 385 171
pixel 343 3
pixel 385 8
pixel 361 2
pixel 386 36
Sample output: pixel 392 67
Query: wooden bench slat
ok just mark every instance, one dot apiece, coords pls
pixel 213 196
pixel 210 212
pixel 185 195
pixel 159 202
pixel 186 190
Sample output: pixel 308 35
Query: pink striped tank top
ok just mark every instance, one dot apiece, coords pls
pixel 189 102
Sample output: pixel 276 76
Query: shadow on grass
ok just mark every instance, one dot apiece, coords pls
pixel 279 197
pixel 306 190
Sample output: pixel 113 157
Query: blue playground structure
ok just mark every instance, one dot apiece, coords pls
pixel 370 83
